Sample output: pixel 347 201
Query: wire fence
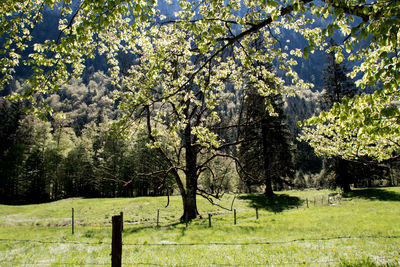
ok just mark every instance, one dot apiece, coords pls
pixel 158 220
pixel 283 263
pixel 152 224
pixel 206 243
pixel 303 262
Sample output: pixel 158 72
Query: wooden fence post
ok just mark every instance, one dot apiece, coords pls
pixel 209 220
pixel 234 216
pixel 158 217
pixel 116 245
pixel 72 224
pixel 307 202
pixel 256 213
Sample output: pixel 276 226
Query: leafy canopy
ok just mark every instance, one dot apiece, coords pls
pixel 368 124
pixel 365 125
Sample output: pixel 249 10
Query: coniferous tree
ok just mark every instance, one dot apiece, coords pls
pixel 337 86
pixel 266 153
pixel 299 107
pixel 10 116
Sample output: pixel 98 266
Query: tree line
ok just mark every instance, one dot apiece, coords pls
pixel 74 155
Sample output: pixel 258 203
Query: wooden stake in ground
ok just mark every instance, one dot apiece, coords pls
pixel 116 245
pixel 158 216
pixel 72 224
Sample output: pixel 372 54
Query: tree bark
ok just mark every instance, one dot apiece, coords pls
pixel 267 176
pixel 342 178
pixel 189 205
pixel 189 196
pixel 268 187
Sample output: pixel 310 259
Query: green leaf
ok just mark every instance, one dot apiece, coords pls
pixel 306 51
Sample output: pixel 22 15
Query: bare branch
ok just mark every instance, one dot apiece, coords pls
pixel 211 198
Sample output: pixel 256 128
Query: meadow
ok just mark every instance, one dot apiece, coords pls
pixel 294 228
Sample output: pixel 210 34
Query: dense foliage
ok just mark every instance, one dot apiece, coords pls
pixel 76 155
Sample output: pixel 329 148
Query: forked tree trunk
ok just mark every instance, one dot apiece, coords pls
pixel 189 193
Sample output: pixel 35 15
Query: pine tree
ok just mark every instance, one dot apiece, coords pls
pixel 337 86
pixel 10 116
pixel 266 153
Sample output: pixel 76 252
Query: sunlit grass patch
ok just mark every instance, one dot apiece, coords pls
pixel 362 230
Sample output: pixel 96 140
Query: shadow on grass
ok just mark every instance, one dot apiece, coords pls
pixel 374 194
pixel 138 229
pixel 275 203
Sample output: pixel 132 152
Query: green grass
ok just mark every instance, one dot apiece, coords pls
pixel 362 229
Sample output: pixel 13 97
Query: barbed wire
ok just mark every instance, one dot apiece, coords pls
pixel 302 262
pixel 235 265
pixel 150 222
pixel 42 263
pixel 54 242
pixel 202 244
pixel 261 243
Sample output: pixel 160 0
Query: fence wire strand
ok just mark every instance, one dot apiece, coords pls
pixel 304 262
pixel 43 263
pixel 203 244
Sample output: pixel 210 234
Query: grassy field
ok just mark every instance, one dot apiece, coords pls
pixel 362 229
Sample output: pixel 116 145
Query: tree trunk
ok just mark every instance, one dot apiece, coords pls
pixel 267 176
pixel 189 206
pixel 189 195
pixel 391 177
pixel 268 188
pixel 342 177
pixel 249 189
pixel 346 188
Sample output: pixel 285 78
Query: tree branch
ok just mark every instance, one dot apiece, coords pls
pixel 210 197
pixel 230 41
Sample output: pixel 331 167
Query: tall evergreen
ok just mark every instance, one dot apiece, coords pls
pixel 337 86
pixel 266 152
pixel 10 116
